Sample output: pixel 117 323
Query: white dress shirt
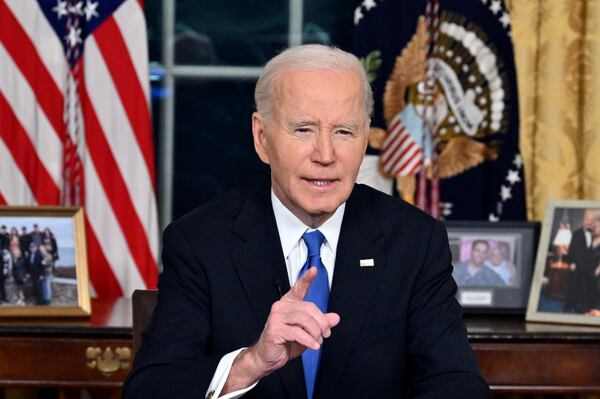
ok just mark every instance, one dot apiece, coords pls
pixel 588 238
pixel 290 230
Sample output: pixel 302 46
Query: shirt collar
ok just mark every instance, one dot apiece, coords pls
pixel 291 228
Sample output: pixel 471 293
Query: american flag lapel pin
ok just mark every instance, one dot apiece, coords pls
pixel 367 262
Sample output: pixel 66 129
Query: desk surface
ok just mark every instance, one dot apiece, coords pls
pixel 110 319
pixel 514 356
pixel 513 328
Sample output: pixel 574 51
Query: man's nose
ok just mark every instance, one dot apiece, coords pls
pixel 324 151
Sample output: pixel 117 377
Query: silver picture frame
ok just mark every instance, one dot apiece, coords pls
pixel 566 280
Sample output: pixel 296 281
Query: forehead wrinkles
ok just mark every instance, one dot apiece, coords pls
pixel 316 86
pixel 296 105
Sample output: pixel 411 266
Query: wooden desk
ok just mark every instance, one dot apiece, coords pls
pixel 514 356
pixel 53 353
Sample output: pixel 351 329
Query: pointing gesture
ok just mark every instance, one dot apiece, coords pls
pixel 293 326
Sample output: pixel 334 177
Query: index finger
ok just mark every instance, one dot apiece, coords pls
pixel 300 289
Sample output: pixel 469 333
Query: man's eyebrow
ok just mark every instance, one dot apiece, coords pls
pixel 303 122
pixel 348 126
pixel 309 122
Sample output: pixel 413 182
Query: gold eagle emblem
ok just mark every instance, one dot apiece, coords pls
pixel 464 108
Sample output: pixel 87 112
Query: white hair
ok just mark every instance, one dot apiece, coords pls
pixel 309 56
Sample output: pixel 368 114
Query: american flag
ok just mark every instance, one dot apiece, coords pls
pixel 75 127
pixel 400 153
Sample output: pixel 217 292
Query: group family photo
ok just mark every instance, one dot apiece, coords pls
pixel 37 263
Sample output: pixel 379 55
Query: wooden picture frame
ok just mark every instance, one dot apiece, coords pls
pixel 499 281
pixel 43 262
pixel 566 281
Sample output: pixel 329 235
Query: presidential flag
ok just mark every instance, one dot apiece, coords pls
pixel 445 131
pixel 75 127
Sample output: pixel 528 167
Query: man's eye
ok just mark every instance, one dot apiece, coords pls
pixel 303 130
pixel 345 132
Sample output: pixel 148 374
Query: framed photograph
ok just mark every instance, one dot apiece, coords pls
pixel 43 262
pixel 493 264
pixel 566 282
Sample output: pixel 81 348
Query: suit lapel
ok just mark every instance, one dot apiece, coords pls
pixel 352 289
pixel 260 265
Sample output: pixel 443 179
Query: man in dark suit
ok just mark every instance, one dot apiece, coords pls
pixel 24 240
pixel 4 260
pixel 582 285
pixel 36 269
pixel 371 309
pixel 4 238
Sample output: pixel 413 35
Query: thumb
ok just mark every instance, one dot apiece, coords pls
pixel 333 319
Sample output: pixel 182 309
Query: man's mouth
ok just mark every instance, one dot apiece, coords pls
pixel 320 182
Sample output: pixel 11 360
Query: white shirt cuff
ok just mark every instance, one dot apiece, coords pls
pixel 221 375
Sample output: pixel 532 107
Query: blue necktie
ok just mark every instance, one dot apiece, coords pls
pixel 318 294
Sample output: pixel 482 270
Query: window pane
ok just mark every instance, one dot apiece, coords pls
pixel 328 22
pixel 213 140
pixel 153 12
pixel 230 32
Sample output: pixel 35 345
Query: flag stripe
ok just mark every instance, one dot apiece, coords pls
pixel 406 143
pixel 23 103
pixel 407 157
pixel 118 61
pixel 410 164
pixel 130 20
pixel 2 200
pixel 26 157
pixel 111 238
pixel 416 167
pixel 121 140
pixel 391 133
pixel 105 282
pixel 14 186
pixel 25 56
pixel 396 136
pixel 116 192
pixel 47 44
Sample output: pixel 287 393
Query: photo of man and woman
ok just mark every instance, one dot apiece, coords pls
pixel 571 281
pixel 37 262
pixel 484 261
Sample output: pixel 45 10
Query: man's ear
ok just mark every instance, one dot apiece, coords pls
pixel 259 135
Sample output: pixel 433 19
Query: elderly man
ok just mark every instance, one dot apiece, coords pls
pixel 371 309
pixel 581 285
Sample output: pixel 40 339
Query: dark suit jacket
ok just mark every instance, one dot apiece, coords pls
pixel 35 266
pixel 401 332
pixel 581 286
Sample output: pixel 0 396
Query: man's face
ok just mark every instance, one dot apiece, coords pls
pixel 314 141
pixel 478 254
pixel 496 257
pixel 588 219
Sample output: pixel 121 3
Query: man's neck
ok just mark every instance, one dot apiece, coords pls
pixel 312 221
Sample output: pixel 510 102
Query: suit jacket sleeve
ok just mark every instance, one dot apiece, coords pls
pixel 174 360
pixel 442 363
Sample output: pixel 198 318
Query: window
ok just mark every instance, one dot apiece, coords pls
pixel 205 59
